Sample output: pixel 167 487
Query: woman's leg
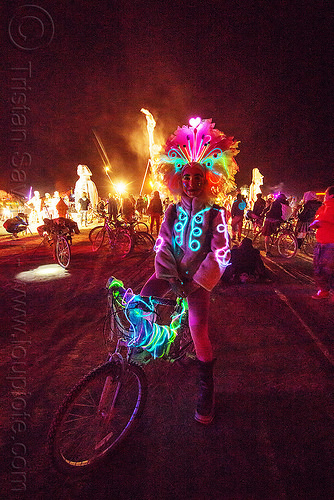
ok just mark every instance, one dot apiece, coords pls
pixel 198 303
pixel 158 224
pixel 155 286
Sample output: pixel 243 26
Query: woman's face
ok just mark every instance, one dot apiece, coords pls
pixel 192 181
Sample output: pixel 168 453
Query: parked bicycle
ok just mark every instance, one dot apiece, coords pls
pixel 306 237
pixel 102 409
pixel 58 234
pixel 283 239
pixel 122 236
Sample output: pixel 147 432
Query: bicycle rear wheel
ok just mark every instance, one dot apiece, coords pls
pixel 287 245
pixel 96 416
pixel 97 236
pixel 122 242
pixel 63 252
pixel 144 242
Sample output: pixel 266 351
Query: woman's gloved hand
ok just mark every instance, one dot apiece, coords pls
pixel 177 287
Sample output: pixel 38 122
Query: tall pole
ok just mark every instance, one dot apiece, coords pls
pixel 142 186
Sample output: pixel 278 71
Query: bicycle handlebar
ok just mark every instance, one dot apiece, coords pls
pixel 113 282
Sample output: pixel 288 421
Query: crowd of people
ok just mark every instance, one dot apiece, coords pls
pixel 267 213
pixel 198 243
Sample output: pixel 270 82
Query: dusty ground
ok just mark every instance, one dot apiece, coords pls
pixel 272 437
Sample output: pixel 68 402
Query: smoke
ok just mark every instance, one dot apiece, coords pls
pixel 279 188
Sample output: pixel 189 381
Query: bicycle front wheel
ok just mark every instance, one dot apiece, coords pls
pixel 97 236
pixel 287 245
pixel 63 252
pixel 96 416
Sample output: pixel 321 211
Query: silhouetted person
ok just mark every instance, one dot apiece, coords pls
pixel 155 211
pixel 112 208
pixel 237 214
pixel 84 203
pixel 274 217
pixel 245 264
pixel 306 215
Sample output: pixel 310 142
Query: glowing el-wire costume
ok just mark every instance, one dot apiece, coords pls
pixel 222 255
pixel 140 312
pixel 180 226
pixel 196 230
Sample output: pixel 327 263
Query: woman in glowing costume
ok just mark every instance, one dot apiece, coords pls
pixel 193 250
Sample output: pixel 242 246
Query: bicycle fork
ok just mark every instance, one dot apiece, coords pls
pixel 107 406
pixel 108 400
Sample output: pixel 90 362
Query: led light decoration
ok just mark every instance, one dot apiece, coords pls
pixel 179 227
pixel 158 244
pixel 140 312
pixel 200 143
pixel 196 231
pixel 154 338
pixel 222 255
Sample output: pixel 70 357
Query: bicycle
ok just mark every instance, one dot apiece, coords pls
pixel 118 237
pixel 58 233
pixel 283 239
pixel 309 242
pixel 139 233
pixel 123 237
pixel 103 408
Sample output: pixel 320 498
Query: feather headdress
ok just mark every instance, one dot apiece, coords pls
pixel 206 146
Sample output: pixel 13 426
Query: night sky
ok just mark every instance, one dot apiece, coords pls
pixel 261 70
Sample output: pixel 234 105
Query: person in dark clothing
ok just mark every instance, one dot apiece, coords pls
pixel 84 203
pixel 256 215
pixel 274 217
pixel 306 215
pixel 155 211
pixel 246 264
pixel 259 206
pixel 128 209
pixel 112 208
pixel 140 205
pixel 237 214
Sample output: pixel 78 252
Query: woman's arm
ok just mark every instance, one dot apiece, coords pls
pixel 165 262
pixel 216 261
